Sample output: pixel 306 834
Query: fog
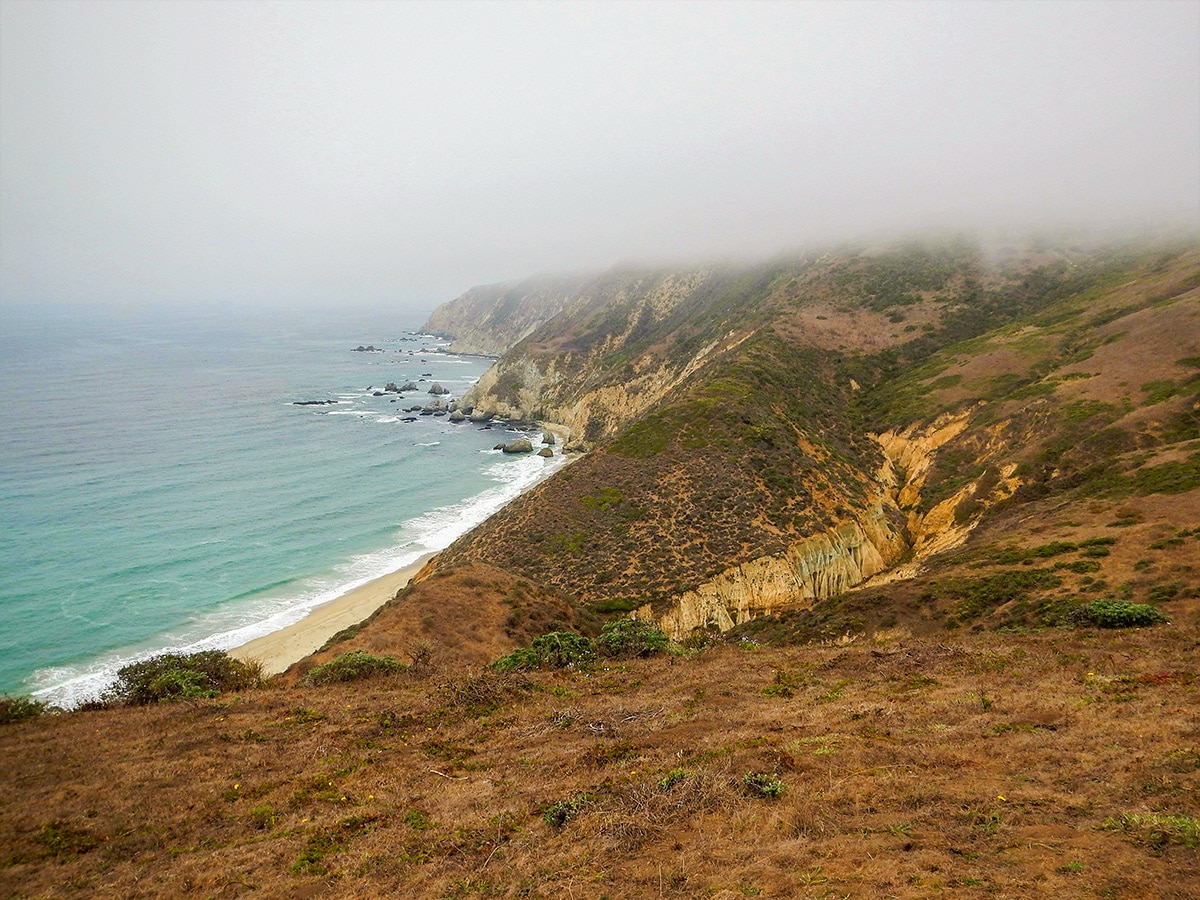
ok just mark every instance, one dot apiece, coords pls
pixel 391 155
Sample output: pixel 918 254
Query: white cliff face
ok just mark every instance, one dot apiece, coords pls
pixel 812 569
pixel 866 550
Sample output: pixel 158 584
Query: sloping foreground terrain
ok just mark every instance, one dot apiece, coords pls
pixel 1018 766
pixel 891 504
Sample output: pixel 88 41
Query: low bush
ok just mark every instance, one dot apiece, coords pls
pixel 556 650
pixel 556 815
pixel 762 784
pixel 14 709
pixel 182 676
pixel 353 666
pixel 1118 614
pixel 630 638
pixel 481 692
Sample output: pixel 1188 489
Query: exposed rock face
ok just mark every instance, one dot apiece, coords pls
pixel 489 319
pixel 576 387
pixel 812 569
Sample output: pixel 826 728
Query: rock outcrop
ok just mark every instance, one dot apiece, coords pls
pixel 812 569
pixel 490 319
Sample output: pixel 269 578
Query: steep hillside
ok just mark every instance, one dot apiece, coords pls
pixel 773 436
pixel 487 320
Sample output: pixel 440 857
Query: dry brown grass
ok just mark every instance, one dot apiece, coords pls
pixel 978 766
pixel 453 619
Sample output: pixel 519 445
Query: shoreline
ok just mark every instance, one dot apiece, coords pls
pixel 281 649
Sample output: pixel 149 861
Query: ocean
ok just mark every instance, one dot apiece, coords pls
pixel 161 490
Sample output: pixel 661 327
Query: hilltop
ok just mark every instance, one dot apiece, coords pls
pixel 923 523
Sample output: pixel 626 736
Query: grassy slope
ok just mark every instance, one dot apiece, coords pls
pixel 1082 365
pixel 1015 766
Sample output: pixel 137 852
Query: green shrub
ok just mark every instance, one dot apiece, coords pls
pixel 672 778
pixel 618 604
pixel 556 650
pixel 353 666
pixel 14 709
pixel 1119 614
pixel 763 785
pixel 556 815
pixel 630 638
pixel 180 676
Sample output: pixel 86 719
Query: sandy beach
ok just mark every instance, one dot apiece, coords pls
pixel 279 649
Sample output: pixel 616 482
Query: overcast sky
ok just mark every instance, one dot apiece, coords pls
pixel 391 155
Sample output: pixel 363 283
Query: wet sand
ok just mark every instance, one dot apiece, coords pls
pixel 280 649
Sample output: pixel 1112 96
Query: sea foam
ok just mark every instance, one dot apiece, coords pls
pixel 243 620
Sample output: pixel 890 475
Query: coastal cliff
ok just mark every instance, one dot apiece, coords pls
pixel 764 438
pixel 487 320
pixel 908 513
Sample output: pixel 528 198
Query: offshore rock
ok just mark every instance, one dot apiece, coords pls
pixel 520 445
pixel 438 389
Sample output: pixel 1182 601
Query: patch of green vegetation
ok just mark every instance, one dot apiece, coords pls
pixel 977 596
pixel 1158 391
pixel 618 605
pixel 1157 830
pixel 946 381
pixel 557 814
pixel 1119 614
pixel 1175 477
pixel 630 638
pixel 327 841
pixel 1127 520
pixel 1161 593
pixel 175 676
pixel 672 778
pixel 16 709
pixel 65 841
pixel 604 499
pixel 353 666
pixel 763 784
pixel 556 650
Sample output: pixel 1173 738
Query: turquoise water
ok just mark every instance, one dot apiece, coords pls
pixel 160 490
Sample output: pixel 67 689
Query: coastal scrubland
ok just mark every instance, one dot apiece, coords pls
pixel 932 515
pixel 1060 763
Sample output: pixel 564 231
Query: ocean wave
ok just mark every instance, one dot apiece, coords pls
pixel 268 610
